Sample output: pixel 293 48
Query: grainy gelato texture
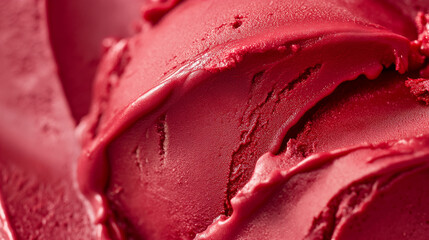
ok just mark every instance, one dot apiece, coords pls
pixel 38 147
pixel 224 119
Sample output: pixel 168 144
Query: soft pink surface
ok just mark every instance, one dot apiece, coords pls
pixel 38 148
pixel 77 29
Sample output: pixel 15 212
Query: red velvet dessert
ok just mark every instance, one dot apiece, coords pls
pixel 215 120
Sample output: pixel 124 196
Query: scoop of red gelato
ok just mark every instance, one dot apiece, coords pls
pixel 284 91
pixel 214 119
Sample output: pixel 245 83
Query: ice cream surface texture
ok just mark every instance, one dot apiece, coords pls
pixel 242 120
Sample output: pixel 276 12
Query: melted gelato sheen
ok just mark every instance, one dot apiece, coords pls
pixel 224 119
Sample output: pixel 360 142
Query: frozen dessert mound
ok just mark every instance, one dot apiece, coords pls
pixel 224 119
pixel 234 119
pixel 274 119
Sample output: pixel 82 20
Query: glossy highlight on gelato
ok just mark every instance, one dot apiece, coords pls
pixel 218 120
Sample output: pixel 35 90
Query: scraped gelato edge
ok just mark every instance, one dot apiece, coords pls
pixel 365 170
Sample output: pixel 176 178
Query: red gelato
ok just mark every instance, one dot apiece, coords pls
pixel 173 139
pixel 215 120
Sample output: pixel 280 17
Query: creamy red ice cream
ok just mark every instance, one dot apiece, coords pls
pixel 249 120
pixel 175 137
